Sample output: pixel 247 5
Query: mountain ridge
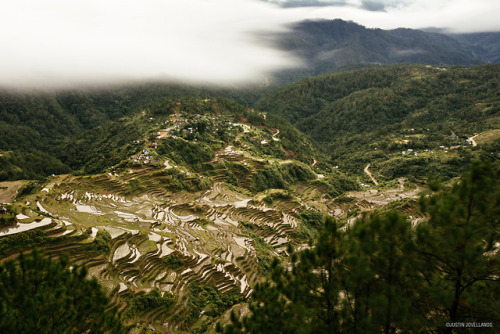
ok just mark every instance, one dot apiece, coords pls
pixel 327 45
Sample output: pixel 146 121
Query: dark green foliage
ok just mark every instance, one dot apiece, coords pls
pixel 16 165
pixel 102 242
pixel 24 239
pixel 184 152
pixel 362 116
pixel 263 249
pixel 312 219
pixel 44 129
pixel 280 176
pixel 294 142
pixel 383 275
pixel 146 303
pixel 203 126
pixel 277 195
pixel 29 188
pixel 378 275
pixel 459 249
pixel 39 295
pixel 7 220
pixel 208 299
pixel 33 238
pixel 134 187
pixel 102 147
pixel 9 217
pixel 339 183
pixel 173 261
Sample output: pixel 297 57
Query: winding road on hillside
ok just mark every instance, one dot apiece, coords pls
pixel 370 174
pixel 474 144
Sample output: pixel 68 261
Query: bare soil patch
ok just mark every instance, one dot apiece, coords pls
pixel 9 189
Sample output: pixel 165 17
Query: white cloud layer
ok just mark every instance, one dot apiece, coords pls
pixel 450 15
pixel 61 42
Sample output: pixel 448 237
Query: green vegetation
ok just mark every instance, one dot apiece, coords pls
pixel 404 120
pixel 338 183
pixel 281 176
pixel 211 302
pixel 146 303
pixel 383 275
pixel 8 218
pixel 34 238
pixel 47 133
pixel 40 295
pixel 102 242
pixel 16 165
pixel 223 189
pixel 24 239
pixel 263 249
pixel 182 152
pixel 277 195
pixel 173 261
pixel 312 219
pixel 30 188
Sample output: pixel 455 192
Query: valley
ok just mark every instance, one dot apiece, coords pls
pixel 184 207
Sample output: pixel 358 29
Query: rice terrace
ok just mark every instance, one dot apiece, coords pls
pixel 359 201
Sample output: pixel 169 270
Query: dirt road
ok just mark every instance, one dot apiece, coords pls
pixel 473 141
pixel 370 174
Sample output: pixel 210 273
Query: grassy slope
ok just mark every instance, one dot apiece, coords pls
pixel 373 115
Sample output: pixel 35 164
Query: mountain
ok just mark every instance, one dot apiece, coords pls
pixel 180 206
pixel 327 45
pixel 35 126
pixel 377 115
pixel 486 46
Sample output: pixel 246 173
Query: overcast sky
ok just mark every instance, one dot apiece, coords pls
pixel 65 42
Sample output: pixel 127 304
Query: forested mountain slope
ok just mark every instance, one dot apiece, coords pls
pixel 182 208
pixel 327 45
pixel 183 205
pixel 37 126
pixel 375 114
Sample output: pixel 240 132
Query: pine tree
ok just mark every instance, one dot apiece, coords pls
pixel 300 298
pixel 459 251
pixel 40 295
pixel 384 276
pixel 379 275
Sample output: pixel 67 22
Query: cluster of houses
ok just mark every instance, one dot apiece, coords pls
pixel 178 126
pixel 445 148
pixel 410 152
pixel 145 157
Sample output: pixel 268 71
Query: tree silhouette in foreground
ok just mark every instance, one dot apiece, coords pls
pixel 41 295
pixel 459 251
pixel 383 275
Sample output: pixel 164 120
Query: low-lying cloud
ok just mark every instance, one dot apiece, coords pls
pixel 56 43
pixel 60 42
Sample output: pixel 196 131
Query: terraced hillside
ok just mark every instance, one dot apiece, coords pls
pixel 406 121
pixel 182 228
pixel 194 201
pixel 179 208
pixel 167 242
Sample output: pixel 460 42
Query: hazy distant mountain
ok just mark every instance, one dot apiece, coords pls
pixel 486 46
pixel 328 45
